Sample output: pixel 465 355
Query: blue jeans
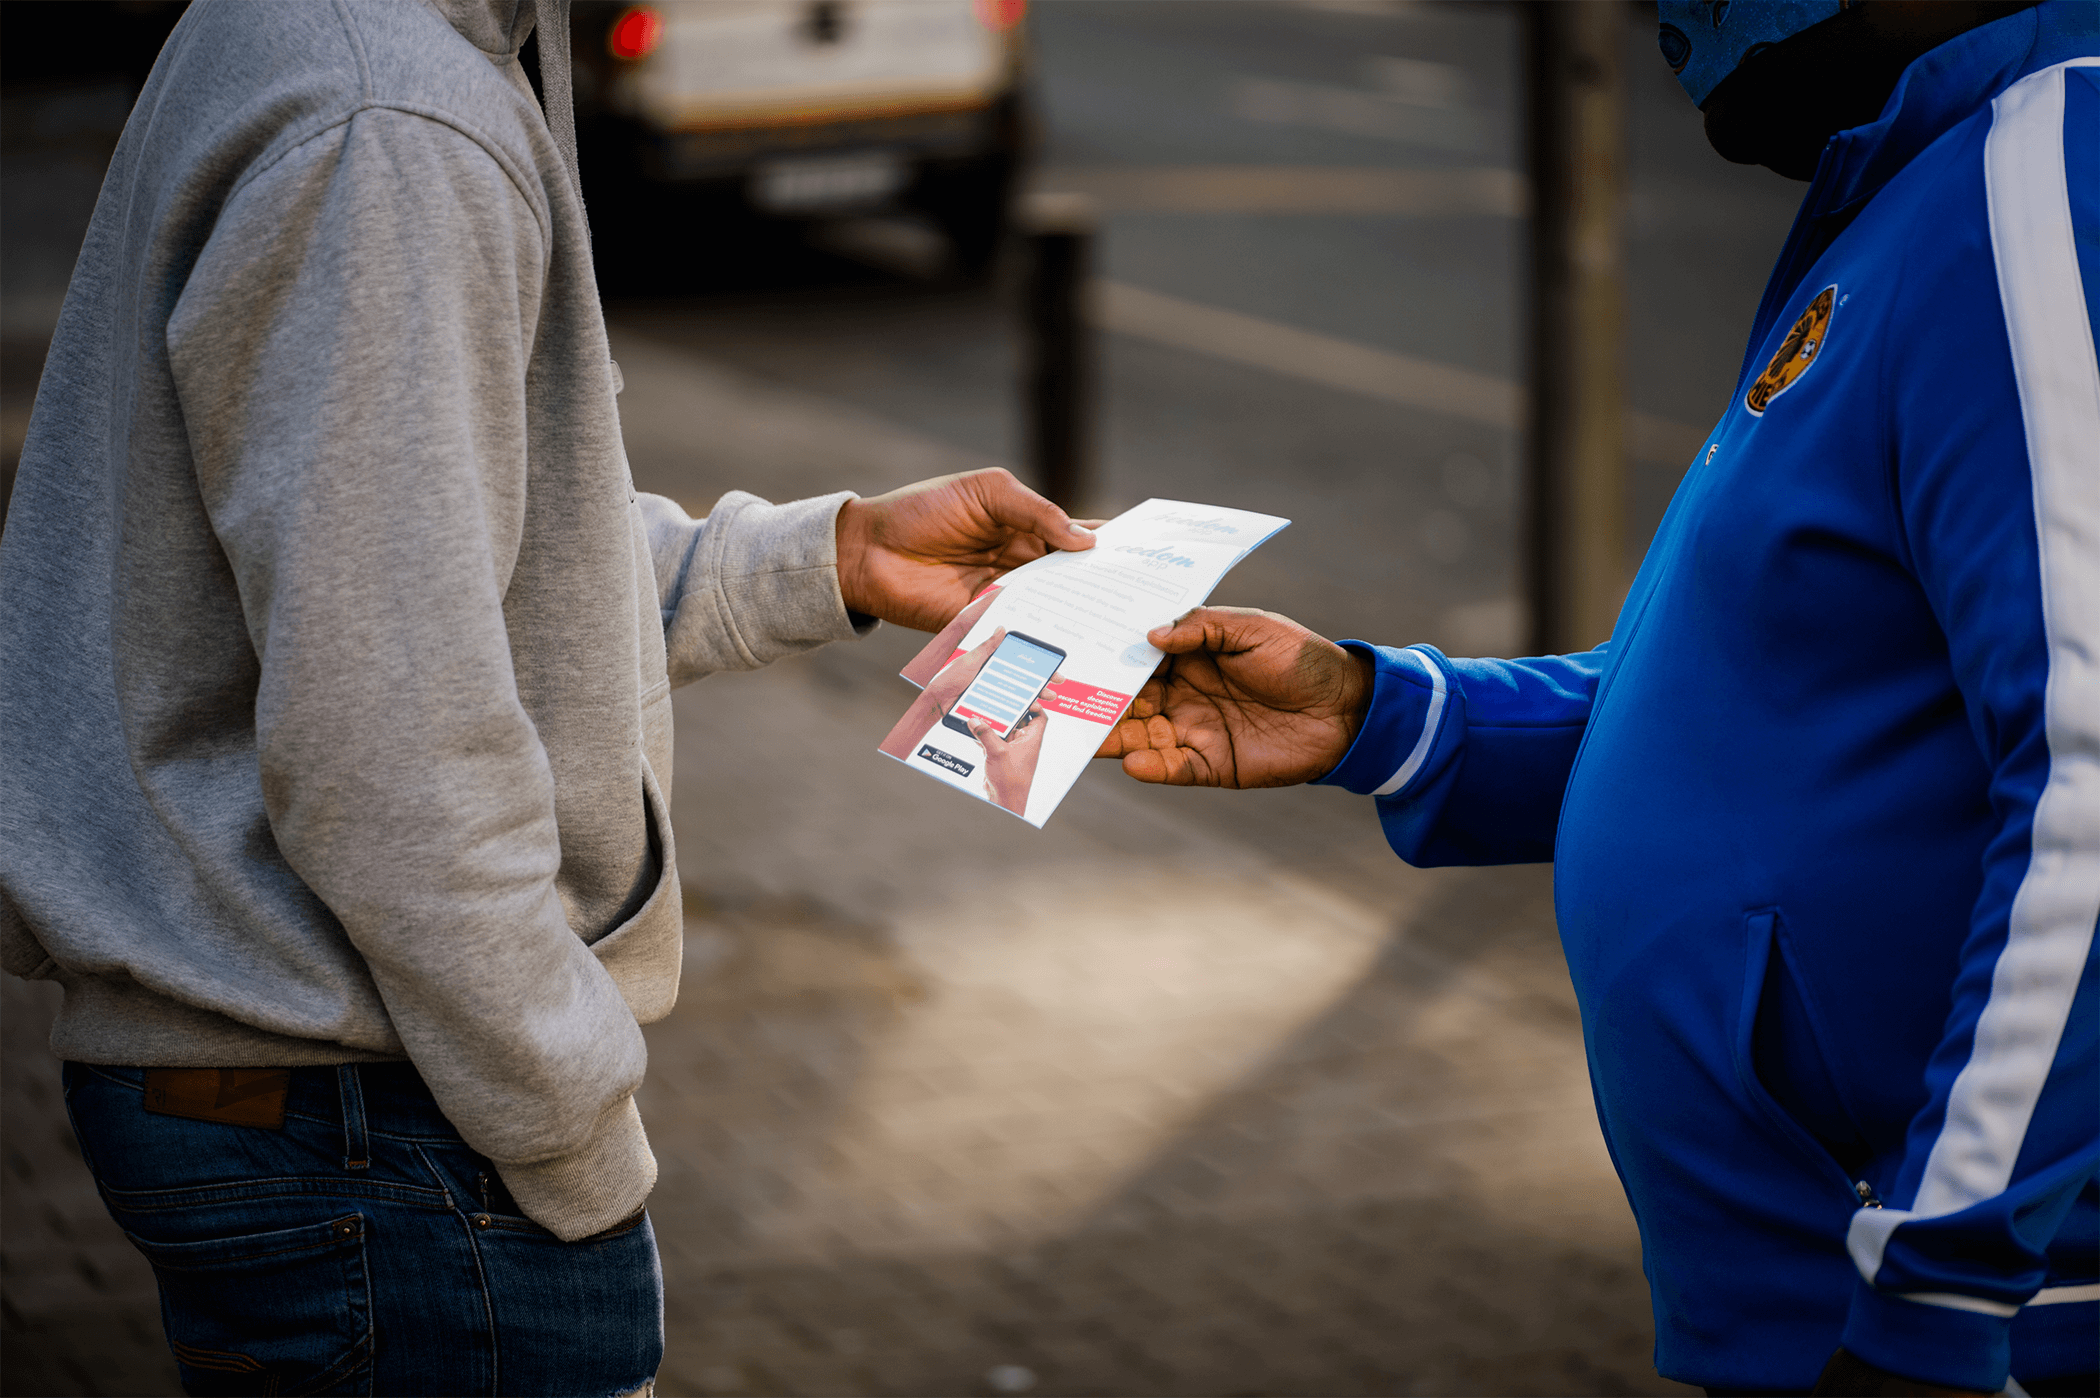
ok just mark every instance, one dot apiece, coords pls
pixel 362 1248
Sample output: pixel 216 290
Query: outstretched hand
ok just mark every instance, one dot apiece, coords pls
pixel 916 556
pixel 1245 699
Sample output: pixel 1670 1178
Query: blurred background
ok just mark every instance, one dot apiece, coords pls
pixel 1192 1092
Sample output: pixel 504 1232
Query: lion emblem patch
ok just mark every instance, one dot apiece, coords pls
pixel 1803 343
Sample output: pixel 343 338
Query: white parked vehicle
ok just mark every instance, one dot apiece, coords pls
pixel 813 108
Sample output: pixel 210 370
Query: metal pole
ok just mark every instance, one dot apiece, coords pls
pixel 1576 452
pixel 1058 361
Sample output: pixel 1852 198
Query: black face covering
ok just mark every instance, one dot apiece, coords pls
pixel 1780 105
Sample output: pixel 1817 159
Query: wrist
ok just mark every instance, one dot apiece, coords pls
pixel 854 533
pixel 1400 736
pixel 1361 683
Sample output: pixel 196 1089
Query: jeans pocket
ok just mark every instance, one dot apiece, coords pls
pixel 285 1312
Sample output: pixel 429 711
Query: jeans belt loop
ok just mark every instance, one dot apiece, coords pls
pixel 357 1153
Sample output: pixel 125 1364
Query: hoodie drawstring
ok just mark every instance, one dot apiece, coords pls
pixel 551 18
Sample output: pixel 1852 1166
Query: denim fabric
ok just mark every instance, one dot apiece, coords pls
pixel 364 1248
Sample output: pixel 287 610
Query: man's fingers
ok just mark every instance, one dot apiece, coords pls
pixel 1173 767
pixel 1127 736
pixel 1146 766
pixel 1226 631
pixel 1017 507
pixel 1137 732
pixel 1154 750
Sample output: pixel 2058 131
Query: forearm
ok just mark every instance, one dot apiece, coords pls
pixel 1469 759
pixel 918 721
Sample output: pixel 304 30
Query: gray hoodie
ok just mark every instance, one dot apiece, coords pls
pixel 335 643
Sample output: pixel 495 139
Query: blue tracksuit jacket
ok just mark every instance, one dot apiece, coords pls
pixel 1825 811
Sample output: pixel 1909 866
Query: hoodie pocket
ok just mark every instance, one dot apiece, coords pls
pixel 643 953
pixel 1769 1010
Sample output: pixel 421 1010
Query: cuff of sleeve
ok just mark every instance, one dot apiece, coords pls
pixel 603 1182
pixel 763 585
pixel 1407 704
pixel 1950 1345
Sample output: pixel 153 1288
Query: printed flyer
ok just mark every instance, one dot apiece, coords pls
pixel 1019 690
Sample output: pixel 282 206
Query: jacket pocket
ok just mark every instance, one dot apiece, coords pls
pixel 1762 962
pixel 286 1312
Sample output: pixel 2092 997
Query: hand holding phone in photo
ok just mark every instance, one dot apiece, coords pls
pixel 942 648
pixel 938 697
pixel 1010 761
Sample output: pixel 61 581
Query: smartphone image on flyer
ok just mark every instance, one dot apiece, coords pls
pixel 1005 690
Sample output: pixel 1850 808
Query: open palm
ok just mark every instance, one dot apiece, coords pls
pixel 1246 699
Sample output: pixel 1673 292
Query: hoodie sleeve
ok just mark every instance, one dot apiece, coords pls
pixel 1996 446
pixel 1469 759
pixel 350 354
pixel 750 584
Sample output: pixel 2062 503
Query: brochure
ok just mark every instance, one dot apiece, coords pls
pixel 1021 688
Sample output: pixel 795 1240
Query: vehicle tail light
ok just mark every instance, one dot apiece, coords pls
pixel 1001 14
pixel 636 33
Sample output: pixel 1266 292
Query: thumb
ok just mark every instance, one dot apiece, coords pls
pixel 981 731
pixel 1017 507
pixel 1224 630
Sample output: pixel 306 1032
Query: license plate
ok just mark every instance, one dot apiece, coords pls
pixel 828 184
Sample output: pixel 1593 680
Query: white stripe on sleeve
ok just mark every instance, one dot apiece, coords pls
pixel 2066 1295
pixel 1420 754
pixel 2051 928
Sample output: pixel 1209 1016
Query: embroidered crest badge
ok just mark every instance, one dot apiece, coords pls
pixel 1803 343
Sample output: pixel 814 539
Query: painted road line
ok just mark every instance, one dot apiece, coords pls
pixel 1349 367
pixel 1297 189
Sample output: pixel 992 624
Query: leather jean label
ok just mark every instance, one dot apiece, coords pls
pixel 229 1096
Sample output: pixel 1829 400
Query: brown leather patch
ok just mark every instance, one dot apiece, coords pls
pixel 229 1096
